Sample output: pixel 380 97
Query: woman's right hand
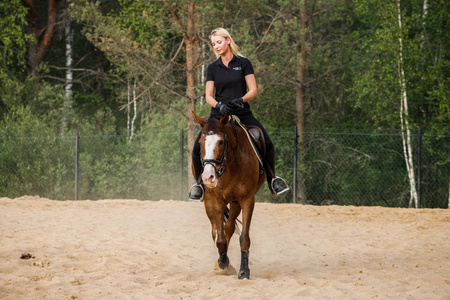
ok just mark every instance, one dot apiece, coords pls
pixel 223 108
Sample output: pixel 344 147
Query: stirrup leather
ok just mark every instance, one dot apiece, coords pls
pixel 283 190
pixel 203 193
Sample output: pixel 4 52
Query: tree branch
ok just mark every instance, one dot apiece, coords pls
pixel 155 81
pixel 175 18
pixel 325 9
pixel 266 32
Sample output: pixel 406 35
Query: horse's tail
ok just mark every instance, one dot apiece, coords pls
pixel 226 214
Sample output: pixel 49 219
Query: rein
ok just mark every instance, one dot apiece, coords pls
pixel 221 162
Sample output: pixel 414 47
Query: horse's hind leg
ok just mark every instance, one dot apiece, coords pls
pixel 247 212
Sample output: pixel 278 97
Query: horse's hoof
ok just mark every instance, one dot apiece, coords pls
pixel 223 261
pixel 244 274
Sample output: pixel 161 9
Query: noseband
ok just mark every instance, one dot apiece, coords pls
pixel 220 162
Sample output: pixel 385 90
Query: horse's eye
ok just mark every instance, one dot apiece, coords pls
pixel 220 143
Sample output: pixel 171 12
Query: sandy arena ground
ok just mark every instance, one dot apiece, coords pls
pixel 128 249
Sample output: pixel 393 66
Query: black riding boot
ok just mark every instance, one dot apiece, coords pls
pixel 272 180
pixel 196 192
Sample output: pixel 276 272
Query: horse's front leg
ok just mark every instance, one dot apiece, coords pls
pixel 230 226
pixel 215 212
pixel 247 212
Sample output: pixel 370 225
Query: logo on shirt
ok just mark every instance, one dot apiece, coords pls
pixel 237 68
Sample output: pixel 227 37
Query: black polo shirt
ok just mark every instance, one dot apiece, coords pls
pixel 229 82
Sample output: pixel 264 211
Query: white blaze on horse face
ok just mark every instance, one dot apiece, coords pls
pixel 209 173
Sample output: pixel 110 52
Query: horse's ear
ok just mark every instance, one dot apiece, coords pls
pixel 224 120
pixel 199 120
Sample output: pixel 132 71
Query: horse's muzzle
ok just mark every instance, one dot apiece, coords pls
pixel 209 176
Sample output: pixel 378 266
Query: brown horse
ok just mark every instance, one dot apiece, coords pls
pixel 231 176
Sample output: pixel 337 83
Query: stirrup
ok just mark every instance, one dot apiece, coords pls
pixel 203 193
pixel 283 190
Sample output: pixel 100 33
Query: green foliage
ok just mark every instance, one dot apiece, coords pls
pixel 12 93
pixel 146 20
pixel 45 101
pixel 48 104
pixel 13 39
pixel 127 46
pixel 34 160
pixel 352 167
pixel 146 168
pixel 13 47
pixel 376 86
pixel 92 114
pixel 37 161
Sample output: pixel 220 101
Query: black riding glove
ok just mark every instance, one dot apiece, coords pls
pixel 223 108
pixel 236 104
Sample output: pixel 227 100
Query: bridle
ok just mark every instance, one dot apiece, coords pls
pixel 221 161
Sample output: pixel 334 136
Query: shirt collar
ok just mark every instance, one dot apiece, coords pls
pixel 219 60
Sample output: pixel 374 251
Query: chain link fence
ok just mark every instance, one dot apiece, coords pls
pixel 366 169
pixel 332 167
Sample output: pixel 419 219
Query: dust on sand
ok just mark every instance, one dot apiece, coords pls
pixel 129 249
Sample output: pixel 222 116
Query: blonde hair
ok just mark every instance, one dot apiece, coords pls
pixel 225 34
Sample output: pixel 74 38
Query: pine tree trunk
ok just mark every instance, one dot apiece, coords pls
pixel 37 51
pixel 190 76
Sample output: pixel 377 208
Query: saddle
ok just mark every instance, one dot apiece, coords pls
pixel 256 138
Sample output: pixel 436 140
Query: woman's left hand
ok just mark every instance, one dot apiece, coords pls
pixel 236 104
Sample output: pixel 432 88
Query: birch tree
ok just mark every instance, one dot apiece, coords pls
pixel 69 73
pixel 393 77
pixel 404 114
pixel 424 17
pixel 133 120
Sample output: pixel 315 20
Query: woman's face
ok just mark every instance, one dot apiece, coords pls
pixel 220 44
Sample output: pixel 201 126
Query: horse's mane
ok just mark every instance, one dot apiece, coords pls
pixel 212 125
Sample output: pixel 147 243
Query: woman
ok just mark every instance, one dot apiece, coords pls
pixel 232 78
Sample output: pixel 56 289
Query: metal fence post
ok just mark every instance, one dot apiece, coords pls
pixel 181 162
pixel 419 153
pixel 77 137
pixel 294 183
